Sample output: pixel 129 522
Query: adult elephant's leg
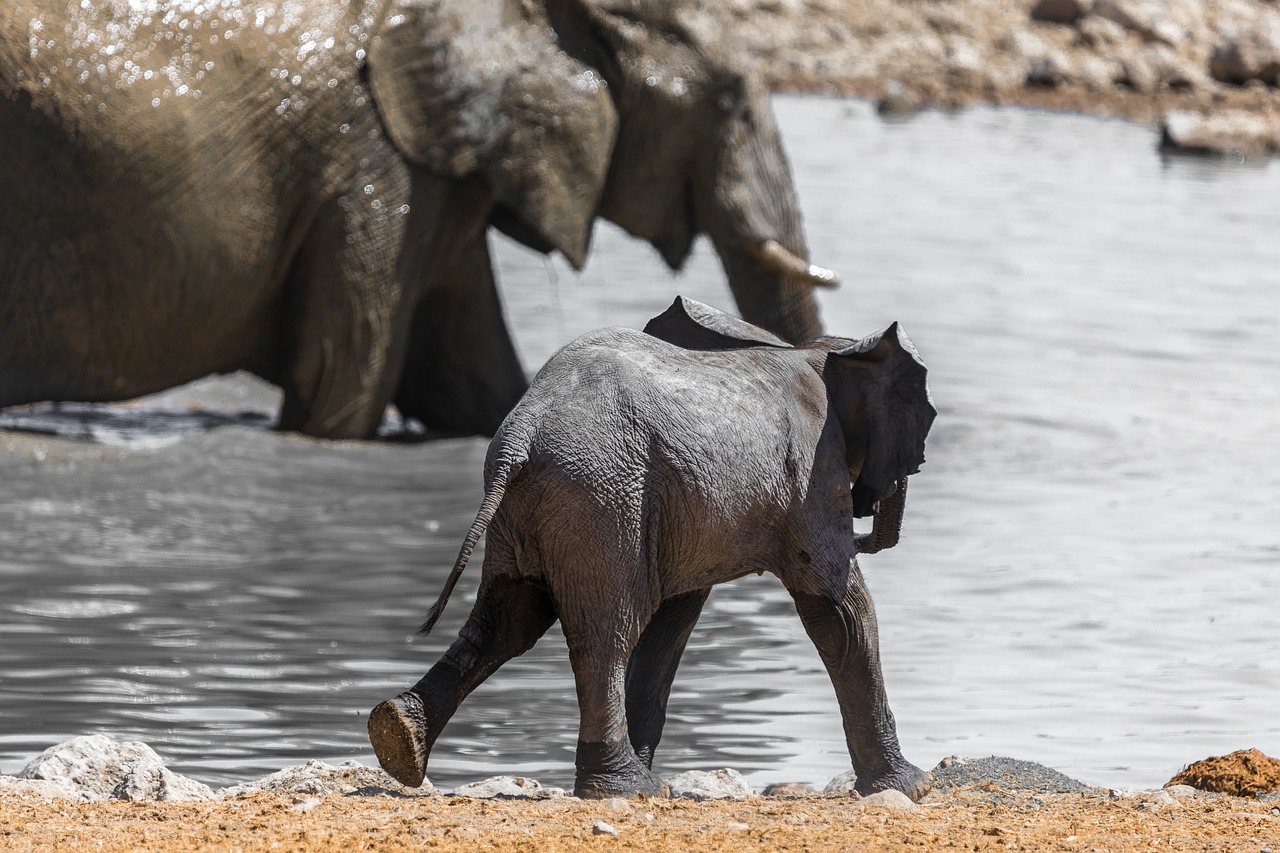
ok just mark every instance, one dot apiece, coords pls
pixel 653 666
pixel 461 373
pixel 348 321
pixel 844 631
pixel 509 616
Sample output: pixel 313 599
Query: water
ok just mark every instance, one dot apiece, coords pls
pixel 1086 578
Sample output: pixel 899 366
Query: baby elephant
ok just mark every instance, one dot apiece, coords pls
pixel 640 469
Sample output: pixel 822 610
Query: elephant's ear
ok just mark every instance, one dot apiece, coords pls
pixel 462 92
pixel 692 325
pixel 881 391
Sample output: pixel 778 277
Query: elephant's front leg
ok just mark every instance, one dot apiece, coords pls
pixel 600 644
pixel 461 373
pixel 844 631
pixel 653 667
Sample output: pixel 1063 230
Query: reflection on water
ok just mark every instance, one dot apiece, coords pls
pixel 1087 571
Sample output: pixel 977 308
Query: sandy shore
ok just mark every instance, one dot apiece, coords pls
pixel 982 817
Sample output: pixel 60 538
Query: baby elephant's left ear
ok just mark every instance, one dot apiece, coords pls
pixel 462 94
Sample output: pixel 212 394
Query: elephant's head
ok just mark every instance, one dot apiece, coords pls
pixel 634 110
pixel 879 389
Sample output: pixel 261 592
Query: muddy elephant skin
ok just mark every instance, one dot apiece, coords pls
pixel 642 469
pixel 303 190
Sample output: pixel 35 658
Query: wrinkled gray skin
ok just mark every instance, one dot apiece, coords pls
pixel 641 469
pixel 303 190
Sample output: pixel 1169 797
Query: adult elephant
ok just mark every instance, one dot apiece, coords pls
pixel 303 190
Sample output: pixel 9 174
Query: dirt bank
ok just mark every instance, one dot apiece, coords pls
pixel 976 818
pixel 1132 58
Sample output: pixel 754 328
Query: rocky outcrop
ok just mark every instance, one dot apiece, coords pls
pixel 95 768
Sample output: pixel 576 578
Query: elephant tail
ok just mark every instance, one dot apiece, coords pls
pixel 497 487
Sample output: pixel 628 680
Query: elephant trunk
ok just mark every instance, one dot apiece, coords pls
pixel 888 522
pixel 752 214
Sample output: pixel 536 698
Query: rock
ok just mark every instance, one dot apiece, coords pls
pixel 1251 55
pixel 843 783
pixel 788 789
pixel 94 768
pixel 1049 71
pixel 1100 32
pixel 317 778
pixel 726 784
pixel 618 805
pixel 301 804
pixel 1171 22
pixel 45 790
pixel 1233 133
pixel 898 101
pixel 1181 792
pixel 737 827
pixel 602 828
pixel 1244 773
pixel 890 800
pixel 1010 774
pixel 507 788
pixel 1060 11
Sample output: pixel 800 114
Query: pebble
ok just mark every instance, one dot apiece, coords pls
pixel 305 804
pixel 602 828
pixel 889 800
pixel 617 804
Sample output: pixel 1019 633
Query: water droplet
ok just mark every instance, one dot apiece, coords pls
pixel 368 189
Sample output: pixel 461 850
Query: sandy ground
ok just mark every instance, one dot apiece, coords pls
pixel 977 818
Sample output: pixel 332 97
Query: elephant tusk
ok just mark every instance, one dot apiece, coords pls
pixel 784 263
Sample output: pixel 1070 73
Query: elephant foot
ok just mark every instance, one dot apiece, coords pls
pixel 606 770
pixel 904 777
pixel 398 732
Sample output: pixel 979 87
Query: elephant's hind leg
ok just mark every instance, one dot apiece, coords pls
pixel 509 616
pixel 653 666
pixel 600 644
pixel 845 633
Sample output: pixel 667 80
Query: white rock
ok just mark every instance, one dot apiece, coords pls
pixel 1231 132
pixel 890 800
pixel 321 779
pixel 726 784
pixel 602 828
pixel 305 805
pixel 34 788
pixel 844 782
pixel 507 787
pixel 1181 792
pixel 617 804
pixel 94 768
